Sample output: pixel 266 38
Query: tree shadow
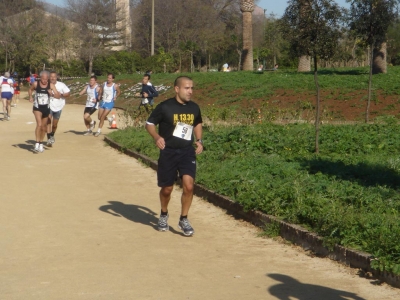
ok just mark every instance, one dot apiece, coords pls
pixel 290 288
pixel 28 145
pixel 135 213
pixel 362 173
pixel 351 72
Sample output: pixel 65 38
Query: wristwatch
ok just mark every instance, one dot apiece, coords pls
pixel 62 95
pixel 200 141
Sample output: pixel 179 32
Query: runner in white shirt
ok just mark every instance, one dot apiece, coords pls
pixel 7 93
pixel 109 91
pixel 56 106
pixel 93 95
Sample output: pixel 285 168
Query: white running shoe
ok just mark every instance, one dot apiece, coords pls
pixel 89 132
pixel 41 149
pixel 97 134
pixel 110 120
pixel 92 126
pixel 36 149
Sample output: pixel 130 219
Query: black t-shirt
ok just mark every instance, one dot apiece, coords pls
pixel 168 113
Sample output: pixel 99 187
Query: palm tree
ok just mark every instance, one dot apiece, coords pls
pixel 304 60
pixel 247 8
pixel 304 64
pixel 379 64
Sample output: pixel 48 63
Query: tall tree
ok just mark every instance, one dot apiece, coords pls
pixel 97 21
pixel 180 22
pixel 314 32
pixel 247 8
pixel 370 20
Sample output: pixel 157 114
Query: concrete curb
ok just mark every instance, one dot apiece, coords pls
pixel 291 232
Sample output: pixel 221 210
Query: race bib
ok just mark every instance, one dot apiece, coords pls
pixel 42 99
pixel 183 131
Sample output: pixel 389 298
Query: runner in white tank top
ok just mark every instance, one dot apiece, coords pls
pixel 109 91
pixel 93 94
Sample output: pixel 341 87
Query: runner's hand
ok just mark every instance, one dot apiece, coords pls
pixel 160 143
pixel 199 148
pixel 31 99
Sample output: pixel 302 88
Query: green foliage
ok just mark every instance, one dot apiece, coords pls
pixel 312 27
pixel 370 19
pixel 122 62
pixel 349 194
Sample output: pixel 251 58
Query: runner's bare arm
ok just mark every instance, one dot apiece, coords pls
pixel 83 91
pixel 100 93
pixel 160 142
pixel 66 95
pixel 118 91
pixel 53 91
pixel 30 91
pixel 198 133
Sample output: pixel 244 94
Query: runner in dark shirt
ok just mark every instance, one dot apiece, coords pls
pixel 178 119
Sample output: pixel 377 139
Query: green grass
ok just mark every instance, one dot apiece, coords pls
pixel 349 194
pixel 226 88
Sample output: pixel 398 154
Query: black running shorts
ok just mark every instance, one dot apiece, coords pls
pixel 44 109
pixel 173 162
pixel 89 110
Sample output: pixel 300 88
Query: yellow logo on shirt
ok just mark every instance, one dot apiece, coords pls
pixel 184 118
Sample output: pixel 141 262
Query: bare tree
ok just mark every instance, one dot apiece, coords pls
pixel 97 22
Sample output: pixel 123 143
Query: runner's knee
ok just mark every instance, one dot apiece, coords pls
pixel 166 191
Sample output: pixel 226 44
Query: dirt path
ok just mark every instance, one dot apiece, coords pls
pixel 77 222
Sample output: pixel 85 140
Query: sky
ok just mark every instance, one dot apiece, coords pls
pixel 56 2
pixel 273 6
pixel 278 6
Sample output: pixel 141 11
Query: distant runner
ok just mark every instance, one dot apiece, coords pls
pixel 56 106
pixel 148 93
pixel 43 90
pixel 7 93
pixel 109 91
pixel 93 93
pixel 17 91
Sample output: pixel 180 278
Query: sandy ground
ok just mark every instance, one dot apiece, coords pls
pixel 78 222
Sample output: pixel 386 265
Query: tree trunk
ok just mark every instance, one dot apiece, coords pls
pixel 90 66
pixel 240 58
pixel 304 64
pixel 379 63
pixel 247 7
pixel 318 110
pixel 369 85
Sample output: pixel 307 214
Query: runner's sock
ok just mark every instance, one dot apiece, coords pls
pixel 99 130
pixel 48 135
pixel 52 133
pixel 91 123
pixel 164 213
pixel 182 217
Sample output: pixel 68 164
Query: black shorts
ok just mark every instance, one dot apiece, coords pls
pixel 44 109
pixel 174 161
pixel 89 110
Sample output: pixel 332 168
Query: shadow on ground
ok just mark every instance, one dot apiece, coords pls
pixel 290 288
pixel 28 145
pixel 339 72
pixel 135 213
pixel 75 132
